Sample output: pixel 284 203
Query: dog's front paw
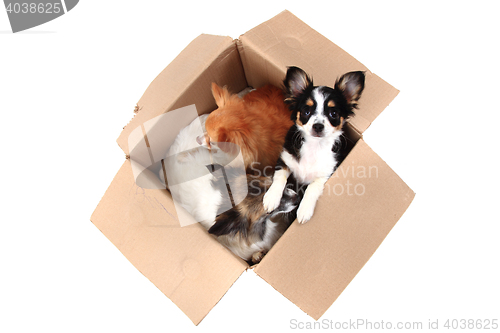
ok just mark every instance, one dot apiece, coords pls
pixel 305 211
pixel 272 199
pixel 258 256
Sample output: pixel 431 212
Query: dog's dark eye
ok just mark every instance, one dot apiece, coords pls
pixel 306 111
pixel 332 113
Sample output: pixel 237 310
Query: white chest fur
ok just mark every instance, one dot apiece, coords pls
pixel 316 160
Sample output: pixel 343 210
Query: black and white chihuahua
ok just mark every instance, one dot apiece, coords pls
pixel 310 151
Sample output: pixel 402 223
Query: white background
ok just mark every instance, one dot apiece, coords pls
pixel 69 86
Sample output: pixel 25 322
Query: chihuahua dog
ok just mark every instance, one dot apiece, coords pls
pixel 311 151
pixel 247 229
pixel 256 123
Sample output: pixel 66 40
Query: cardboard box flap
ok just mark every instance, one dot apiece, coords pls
pixel 313 263
pixel 186 80
pixel 284 40
pixel 185 263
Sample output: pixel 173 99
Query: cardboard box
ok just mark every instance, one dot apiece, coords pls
pixel 312 263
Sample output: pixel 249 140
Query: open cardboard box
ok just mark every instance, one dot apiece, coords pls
pixel 311 264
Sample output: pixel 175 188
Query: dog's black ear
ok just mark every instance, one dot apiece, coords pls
pixel 229 223
pixel 351 85
pixel 296 81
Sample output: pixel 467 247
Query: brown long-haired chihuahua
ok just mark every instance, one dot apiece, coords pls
pixel 257 123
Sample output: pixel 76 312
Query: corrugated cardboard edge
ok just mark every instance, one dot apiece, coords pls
pixel 340 242
pixel 167 89
pixel 188 266
pixel 285 40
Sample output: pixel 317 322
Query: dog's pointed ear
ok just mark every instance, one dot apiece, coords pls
pixel 351 85
pixel 221 95
pixel 296 81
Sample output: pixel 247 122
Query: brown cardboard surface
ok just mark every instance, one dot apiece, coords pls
pixel 313 263
pixel 187 265
pixel 285 40
pixel 186 80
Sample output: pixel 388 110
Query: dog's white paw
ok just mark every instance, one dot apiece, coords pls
pixel 305 211
pixel 272 199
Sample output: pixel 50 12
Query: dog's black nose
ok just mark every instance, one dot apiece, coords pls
pixel 318 128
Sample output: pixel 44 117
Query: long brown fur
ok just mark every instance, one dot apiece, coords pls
pixel 257 123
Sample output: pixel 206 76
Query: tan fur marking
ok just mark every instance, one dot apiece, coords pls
pixel 341 124
pixel 251 207
pixel 298 120
pixel 331 104
pixel 254 209
pixel 309 102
